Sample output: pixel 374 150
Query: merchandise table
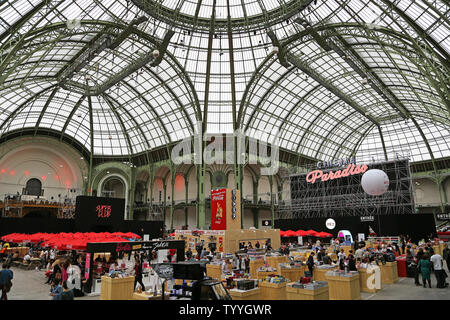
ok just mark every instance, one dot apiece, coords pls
pixel 145 296
pixel 294 273
pixel 363 281
pixel 306 294
pixel 344 288
pixel 401 266
pixel 254 265
pixel 117 288
pixel 252 294
pixel 389 273
pixel 275 260
pixel 22 251
pixel 261 274
pixel 346 249
pixel 214 271
pixel 319 274
pixel 272 291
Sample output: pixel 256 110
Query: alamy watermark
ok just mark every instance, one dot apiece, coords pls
pixel 234 152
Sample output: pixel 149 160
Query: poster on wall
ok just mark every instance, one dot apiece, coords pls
pixel 218 209
pixel 361 237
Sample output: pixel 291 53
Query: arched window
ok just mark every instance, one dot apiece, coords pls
pixel 34 187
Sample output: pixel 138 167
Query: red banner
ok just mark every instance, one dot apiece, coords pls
pixel 87 265
pixel 220 244
pixel 218 209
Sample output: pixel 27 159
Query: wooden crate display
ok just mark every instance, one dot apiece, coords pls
pixel 305 294
pixel 344 288
pixel 272 291
pixel 253 294
pixel 389 273
pixel 117 288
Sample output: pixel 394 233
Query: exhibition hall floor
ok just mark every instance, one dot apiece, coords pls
pixel 29 285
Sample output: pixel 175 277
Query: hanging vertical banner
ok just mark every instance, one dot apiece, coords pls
pixel 218 209
pixel 220 244
pixel 87 266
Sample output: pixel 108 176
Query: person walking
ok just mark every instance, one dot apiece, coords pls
pixel 425 270
pixel 438 266
pixel 6 276
pixel 351 262
pixel 446 256
pixel 310 263
pixel 138 274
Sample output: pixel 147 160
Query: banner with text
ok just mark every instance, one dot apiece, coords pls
pixel 218 209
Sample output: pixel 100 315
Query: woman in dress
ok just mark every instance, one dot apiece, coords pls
pixel 425 269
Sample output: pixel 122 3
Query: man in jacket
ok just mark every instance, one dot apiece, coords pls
pixel 6 276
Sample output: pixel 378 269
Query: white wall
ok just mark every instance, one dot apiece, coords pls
pixel 426 193
pixel 58 169
pixel 264 188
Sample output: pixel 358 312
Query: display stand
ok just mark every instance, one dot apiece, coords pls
pixel 389 273
pixel 441 248
pixel 214 271
pixel 401 266
pixel 306 294
pixel 364 278
pixel 117 288
pixel 261 274
pixel 344 288
pixel 252 294
pixel 319 274
pixel 275 260
pixel 145 296
pixel 293 274
pixel 254 265
pixel 437 249
pixel 346 249
pixel 272 291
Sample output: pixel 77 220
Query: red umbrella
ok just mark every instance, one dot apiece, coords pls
pixel 282 233
pixel 300 233
pixel 311 233
pixel 290 233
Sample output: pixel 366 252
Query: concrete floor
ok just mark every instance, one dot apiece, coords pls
pixel 29 285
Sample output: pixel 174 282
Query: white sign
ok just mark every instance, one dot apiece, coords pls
pixel 330 223
pixel 361 237
pixel 300 241
pixel 146 237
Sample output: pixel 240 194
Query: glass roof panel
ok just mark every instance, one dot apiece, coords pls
pixel 154 106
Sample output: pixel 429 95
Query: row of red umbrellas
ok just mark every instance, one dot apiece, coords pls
pixel 302 233
pixel 65 241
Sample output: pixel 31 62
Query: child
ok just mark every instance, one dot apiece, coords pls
pixel 56 289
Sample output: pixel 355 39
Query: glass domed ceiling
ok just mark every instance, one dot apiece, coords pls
pixel 356 74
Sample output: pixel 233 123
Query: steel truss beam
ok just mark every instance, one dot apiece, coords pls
pixel 286 10
pixel 328 85
pixel 56 30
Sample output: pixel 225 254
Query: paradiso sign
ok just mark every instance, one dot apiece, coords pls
pixel 351 169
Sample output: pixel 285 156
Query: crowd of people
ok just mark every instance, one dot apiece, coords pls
pixel 422 260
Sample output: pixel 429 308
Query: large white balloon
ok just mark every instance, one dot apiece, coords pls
pixel 375 182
